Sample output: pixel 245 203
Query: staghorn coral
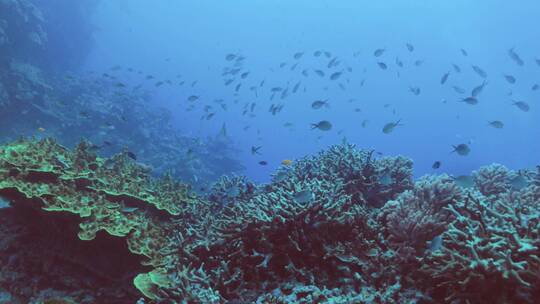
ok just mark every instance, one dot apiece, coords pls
pixel 418 215
pixel 318 233
pixel 491 245
pixel 492 180
pixel 276 237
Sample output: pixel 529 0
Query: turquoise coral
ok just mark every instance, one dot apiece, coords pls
pixel 362 235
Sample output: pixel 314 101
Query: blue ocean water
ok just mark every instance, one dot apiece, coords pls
pixel 207 155
pixel 192 39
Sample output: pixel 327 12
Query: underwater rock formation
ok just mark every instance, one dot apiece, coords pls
pixel 342 226
pixel 44 97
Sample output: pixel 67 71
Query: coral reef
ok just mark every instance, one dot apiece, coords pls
pixel 43 97
pixel 113 195
pixel 342 226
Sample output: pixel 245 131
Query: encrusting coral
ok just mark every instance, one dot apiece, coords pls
pixel 343 226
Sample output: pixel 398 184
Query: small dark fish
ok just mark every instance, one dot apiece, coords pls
pixel 436 243
pixel 159 83
pixel 317 53
pixel 389 127
pixel 263 163
pixel 514 56
pixel 193 98
pixel 523 106
pixel 230 57
pixel 322 125
pixel 470 100
pixel 415 90
pixel 479 71
pixel 255 150
pixel 462 149
pixel 497 124
pixel 456 68
pixel 444 78
pixel 320 73
pixel 244 75
pixel 378 52
pixel 535 87
pixel 298 55
pixel 410 47
pixel 131 155
pixel 464 52
pixel 382 65
pixel 296 87
pixel 478 89
pixel 418 62
pixel 436 165
pixel 399 63
pixel 537 61
pixel 303 197
pixel 317 104
pixel 510 79
pixel 519 182
pixel 464 181
pixel 335 75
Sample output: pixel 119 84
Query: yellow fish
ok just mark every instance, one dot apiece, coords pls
pixel 286 162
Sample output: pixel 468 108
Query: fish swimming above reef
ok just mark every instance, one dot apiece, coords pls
pixel 497 124
pixel 382 65
pixel 523 106
pixel 464 181
pixel 478 89
pixel 510 79
pixel 378 52
pixel 286 162
pixel 317 104
pixel 323 125
pixel 436 243
pixel 303 197
pixel 255 150
pixel 410 47
pixel 436 165
pixel 444 78
pixel 479 71
pixel 415 90
pixel 298 55
pixel 519 181
pixel 471 100
pixel 335 76
pixel 515 57
pixel 389 127
pixel 193 98
pixel 462 149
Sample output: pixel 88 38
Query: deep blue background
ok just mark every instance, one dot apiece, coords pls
pixel 191 38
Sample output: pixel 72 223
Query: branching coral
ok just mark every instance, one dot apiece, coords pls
pixel 490 244
pixel 338 227
pixel 419 215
